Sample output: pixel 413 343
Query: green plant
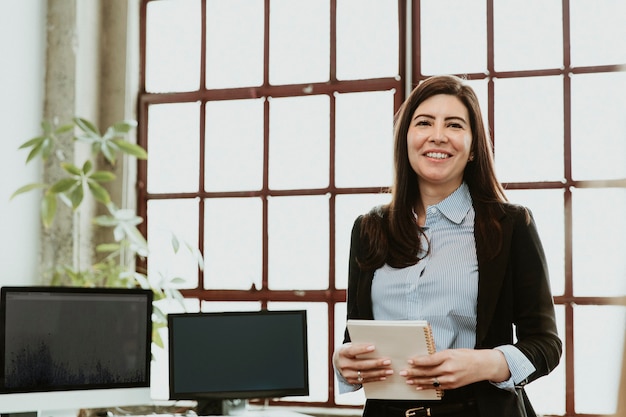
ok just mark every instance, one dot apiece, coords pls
pixel 111 267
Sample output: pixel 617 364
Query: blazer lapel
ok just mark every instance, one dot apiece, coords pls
pixel 491 276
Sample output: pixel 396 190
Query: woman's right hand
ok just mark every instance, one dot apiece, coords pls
pixel 357 370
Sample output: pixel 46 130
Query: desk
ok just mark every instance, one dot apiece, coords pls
pixel 183 411
pixel 273 412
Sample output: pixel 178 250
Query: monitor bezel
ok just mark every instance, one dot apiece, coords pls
pixel 243 394
pixel 60 290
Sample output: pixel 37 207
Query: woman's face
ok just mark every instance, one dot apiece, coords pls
pixel 439 140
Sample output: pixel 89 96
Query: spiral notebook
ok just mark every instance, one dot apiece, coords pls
pixel 397 340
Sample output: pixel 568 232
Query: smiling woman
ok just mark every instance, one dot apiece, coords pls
pixel 450 250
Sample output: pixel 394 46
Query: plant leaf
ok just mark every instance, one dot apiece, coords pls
pixel 76 196
pixel 48 209
pixel 131 148
pixel 160 316
pixel 142 280
pixel 37 149
pixel 156 338
pixel 124 126
pixel 71 169
pixel 99 192
pixel 175 243
pixel 107 221
pixel 102 176
pixel 64 129
pixel 86 126
pixel 107 247
pixel 87 166
pixel 46 126
pixel 64 185
pixel 26 188
pixel 177 280
pixel 32 142
pixel 108 153
pixel 95 147
pixel 46 148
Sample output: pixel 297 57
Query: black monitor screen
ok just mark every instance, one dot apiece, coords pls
pixel 58 338
pixel 238 355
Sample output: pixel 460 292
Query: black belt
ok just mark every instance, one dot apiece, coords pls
pixel 433 410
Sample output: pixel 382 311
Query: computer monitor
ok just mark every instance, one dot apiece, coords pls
pixel 215 358
pixel 68 348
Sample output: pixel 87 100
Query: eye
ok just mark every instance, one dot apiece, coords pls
pixel 455 125
pixel 422 122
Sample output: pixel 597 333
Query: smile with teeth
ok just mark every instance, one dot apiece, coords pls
pixel 437 155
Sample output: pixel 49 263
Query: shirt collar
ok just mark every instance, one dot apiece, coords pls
pixel 456 206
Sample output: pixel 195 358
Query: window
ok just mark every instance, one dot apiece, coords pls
pixel 268 125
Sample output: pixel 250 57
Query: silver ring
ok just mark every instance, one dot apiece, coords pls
pixel 359 377
pixel 436 383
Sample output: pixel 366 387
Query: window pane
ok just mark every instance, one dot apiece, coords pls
pixel 173 151
pixel 352 398
pixel 548 211
pixel 347 208
pixel 299 41
pixel 298 242
pixel 173 45
pixel 529 129
pixel 539 48
pixel 598 357
pixel 168 219
pixel 317 338
pixel 234 145
pixel 463 49
pixel 299 142
pixel 234 56
pixel 364 139
pixel 599 241
pixel 598 33
pixel 233 243
pixel 367 39
pixel 598 128
pixel 547 394
pixel 480 87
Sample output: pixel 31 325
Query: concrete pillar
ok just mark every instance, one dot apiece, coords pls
pixel 59 107
pixel 88 75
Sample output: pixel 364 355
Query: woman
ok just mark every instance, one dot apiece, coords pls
pixel 450 249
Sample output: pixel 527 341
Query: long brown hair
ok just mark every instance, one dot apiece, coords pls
pixel 390 233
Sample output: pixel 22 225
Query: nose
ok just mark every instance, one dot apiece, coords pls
pixel 438 134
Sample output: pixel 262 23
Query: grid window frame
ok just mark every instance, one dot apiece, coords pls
pixel 409 74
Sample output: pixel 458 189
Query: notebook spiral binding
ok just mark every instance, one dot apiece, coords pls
pixel 430 342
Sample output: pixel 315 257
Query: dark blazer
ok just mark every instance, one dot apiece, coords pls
pixel 513 289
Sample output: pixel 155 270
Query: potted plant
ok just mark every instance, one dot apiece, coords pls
pixel 112 264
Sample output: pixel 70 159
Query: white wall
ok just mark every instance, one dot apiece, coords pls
pixel 22 45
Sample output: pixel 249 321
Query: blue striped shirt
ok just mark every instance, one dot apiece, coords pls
pixel 443 287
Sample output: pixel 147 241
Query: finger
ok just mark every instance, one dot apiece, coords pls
pixel 427 360
pixel 359 377
pixel 426 383
pixel 370 375
pixel 356 349
pixel 420 371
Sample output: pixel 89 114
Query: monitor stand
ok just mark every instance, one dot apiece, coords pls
pixel 219 407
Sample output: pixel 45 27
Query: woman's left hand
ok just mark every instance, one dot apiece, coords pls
pixel 454 368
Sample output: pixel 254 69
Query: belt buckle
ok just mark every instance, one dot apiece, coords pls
pixel 413 411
